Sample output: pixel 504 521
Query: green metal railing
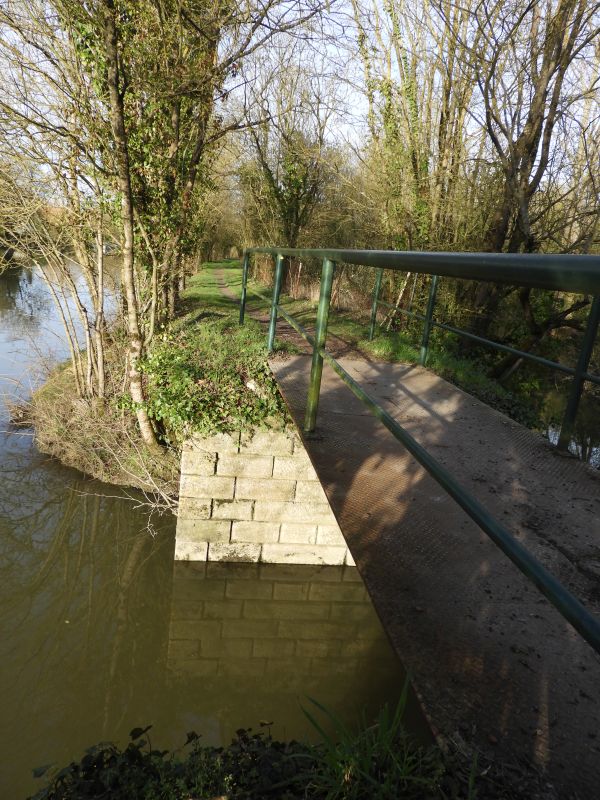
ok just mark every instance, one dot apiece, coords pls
pixel 576 274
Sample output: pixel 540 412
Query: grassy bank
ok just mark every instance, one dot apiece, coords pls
pixel 100 437
pixel 388 345
pixel 203 373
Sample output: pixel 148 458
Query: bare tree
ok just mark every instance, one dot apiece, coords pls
pixel 44 234
pixel 532 62
pixel 531 73
pixel 289 147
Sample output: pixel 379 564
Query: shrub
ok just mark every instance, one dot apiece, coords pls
pixel 211 377
pixel 253 766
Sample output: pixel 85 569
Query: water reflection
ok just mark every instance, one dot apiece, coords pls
pixel 84 588
pixel 252 642
pixel 585 442
pixel 84 597
pixel 24 302
pixel 32 337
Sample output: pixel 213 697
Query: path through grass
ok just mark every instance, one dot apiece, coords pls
pixel 207 288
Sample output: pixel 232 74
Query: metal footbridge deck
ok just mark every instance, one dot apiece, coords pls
pixel 491 659
pixel 479 541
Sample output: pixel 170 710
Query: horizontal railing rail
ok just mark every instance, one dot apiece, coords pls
pixel 568 273
pixel 575 274
pixel 503 348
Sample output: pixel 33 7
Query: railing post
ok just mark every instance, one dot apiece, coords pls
pixel 275 301
pixel 376 290
pixel 428 318
pixel 583 363
pixel 244 286
pixel 316 370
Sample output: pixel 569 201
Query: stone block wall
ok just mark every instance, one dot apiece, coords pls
pixel 255 497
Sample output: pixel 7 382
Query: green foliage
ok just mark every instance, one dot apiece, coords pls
pixel 204 288
pixel 380 761
pixel 252 765
pixel 210 377
pixel 392 347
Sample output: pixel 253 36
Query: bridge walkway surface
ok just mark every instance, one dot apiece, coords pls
pixel 491 660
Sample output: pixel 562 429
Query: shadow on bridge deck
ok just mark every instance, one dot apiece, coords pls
pixel 491 659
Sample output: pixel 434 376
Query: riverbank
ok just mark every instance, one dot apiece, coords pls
pixel 202 374
pixel 99 437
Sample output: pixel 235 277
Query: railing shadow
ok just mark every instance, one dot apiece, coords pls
pixel 491 658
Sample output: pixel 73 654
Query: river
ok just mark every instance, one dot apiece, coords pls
pixel 100 631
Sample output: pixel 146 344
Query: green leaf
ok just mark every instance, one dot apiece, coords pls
pixel 137 732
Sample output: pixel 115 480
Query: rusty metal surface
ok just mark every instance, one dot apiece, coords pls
pixel 493 662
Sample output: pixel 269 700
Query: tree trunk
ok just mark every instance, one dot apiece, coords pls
pixel 392 314
pixel 99 322
pixel 117 121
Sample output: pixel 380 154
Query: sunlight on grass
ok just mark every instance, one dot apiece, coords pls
pixel 207 289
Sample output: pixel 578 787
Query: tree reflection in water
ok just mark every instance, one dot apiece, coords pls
pixel 84 597
pixel 84 588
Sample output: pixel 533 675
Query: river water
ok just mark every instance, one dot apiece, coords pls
pixel 100 631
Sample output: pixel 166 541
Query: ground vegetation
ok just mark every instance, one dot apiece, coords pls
pixel 202 374
pixel 377 761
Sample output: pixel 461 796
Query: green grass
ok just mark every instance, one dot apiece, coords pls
pixel 379 761
pixel 206 374
pixel 203 287
pixel 391 346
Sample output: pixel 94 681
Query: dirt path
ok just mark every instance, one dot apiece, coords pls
pixel 225 290
pixel 285 333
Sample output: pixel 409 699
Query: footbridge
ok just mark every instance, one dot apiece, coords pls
pixel 478 540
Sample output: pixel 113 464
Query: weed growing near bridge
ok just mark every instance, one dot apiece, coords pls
pixel 209 375
pixel 377 762
pixel 380 762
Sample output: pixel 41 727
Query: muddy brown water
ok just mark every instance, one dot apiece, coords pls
pixel 101 632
